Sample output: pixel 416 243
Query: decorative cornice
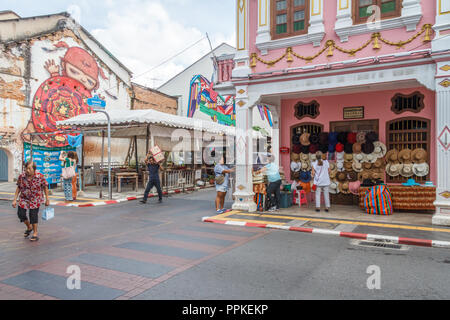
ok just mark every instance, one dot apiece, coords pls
pixel 314 38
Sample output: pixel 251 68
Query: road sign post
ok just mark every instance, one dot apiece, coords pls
pixel 99 105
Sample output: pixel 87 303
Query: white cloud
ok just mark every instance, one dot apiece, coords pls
pixel 143 34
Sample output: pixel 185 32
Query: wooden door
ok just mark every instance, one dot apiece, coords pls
pixel 3 166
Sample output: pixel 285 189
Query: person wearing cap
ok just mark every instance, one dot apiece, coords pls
pixel 273 174
pixel 321 174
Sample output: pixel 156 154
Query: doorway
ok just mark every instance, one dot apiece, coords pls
pixel 3 166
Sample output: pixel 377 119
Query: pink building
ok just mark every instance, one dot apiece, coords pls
pixel 347 66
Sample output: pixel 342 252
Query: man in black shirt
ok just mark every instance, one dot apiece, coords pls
pixel 153 181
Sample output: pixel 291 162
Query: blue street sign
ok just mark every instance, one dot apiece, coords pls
pixel 96 102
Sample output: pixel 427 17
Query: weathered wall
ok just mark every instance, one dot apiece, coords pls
pixel 146 98
pixel 49 78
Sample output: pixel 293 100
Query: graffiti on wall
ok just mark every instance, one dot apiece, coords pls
pixel 63 95
pixel 202 97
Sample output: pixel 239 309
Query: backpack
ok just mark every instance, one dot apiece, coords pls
pixel 378 200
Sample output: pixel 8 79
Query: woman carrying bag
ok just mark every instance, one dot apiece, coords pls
pixel 321 174
pixel 68 172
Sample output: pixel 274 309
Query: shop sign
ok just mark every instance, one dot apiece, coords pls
pixel 353 112
pixel 284 150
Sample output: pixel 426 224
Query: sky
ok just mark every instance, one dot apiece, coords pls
pixel 144 33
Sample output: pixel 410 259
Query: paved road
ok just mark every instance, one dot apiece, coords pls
pixel 164 251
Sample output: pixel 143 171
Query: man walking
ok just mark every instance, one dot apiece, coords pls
pixel 30 185
pixel 153 181
pixel 273 174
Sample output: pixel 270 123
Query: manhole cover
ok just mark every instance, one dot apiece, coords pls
pixel 321 225
pixel 379 244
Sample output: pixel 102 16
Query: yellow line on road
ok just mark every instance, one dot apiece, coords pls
pixel 371 224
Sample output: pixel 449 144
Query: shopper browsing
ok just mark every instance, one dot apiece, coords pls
pixel 272 170
pixel 321 173
pixel 30 185
pixel 221 172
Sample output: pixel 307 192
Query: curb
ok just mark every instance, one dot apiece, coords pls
pixel 361 236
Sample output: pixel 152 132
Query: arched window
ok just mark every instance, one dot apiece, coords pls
pixel 409 133
pixel 412 102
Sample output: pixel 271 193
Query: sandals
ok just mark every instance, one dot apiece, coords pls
pixel 27 233
pixel 34 238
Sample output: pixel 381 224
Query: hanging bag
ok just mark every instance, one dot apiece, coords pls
pixel 68 172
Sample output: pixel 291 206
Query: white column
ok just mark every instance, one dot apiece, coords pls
pixel 244 152
pixel 241 58
pixel 344 16
pixel 442 25
pixel 275 112
pixel 263 33
pixel 442 203
pixel 316 27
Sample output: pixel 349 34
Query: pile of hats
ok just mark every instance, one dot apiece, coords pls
pixel 407 163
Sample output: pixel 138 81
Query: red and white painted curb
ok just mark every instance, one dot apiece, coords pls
pixel 362 236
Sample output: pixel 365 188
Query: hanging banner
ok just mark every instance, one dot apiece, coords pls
pixel 47 160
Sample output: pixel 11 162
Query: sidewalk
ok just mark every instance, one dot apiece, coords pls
pixel 91 195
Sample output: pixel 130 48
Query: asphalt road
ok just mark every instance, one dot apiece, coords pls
pixel 164 251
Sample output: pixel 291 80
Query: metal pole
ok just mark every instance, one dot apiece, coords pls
pixel 136 154
pixel 101 165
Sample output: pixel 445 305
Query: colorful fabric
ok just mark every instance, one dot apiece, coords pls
pixel 67 185
pixel 31 195
pixel 378 200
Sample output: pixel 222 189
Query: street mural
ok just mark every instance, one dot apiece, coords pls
pixel 202 97
pixel 64 94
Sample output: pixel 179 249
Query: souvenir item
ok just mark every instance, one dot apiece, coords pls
pixel 419 155
pixel 393 169
pixel 304 139
pixel 405 156
pixel 421 169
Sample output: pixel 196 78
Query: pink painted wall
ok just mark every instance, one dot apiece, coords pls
pixel 377 105
pixel 330 11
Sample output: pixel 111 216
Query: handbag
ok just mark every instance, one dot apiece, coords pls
pixel 48 213
pixel 220 179
pixel 68 172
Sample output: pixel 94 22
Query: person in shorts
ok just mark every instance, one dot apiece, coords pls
pixel 30 188
pixel 221 170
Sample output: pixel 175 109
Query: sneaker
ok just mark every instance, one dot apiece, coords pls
pixel 317 210
pixel 272 209
pixel 143 201
pixel 326 209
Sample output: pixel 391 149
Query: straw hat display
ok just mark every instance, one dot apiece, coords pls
pixel 393 169
pixel 392 156
pixel 367 165
pixel 296 148
pixel 371 158
pixel 339 147
pixel 348 166
pixel 348 147
pixel 304 149
pixel 371 136
pixel 367 147
pixel 295 156
pixel 421 169
pixel 305 165
pixel 357 166
pixel 407 170
pixel 404 156
pixel 334 187
pixel 380 149
pixel 333 166
pixel 312 157
pixel 364 175
pixel 343 187
pixel 339 155
pixel 419 155
pixel 341 176
pixel 314 138
pixel 313 148
pixel 358 157
pixel 304 156
pixel 348 156
pixel 375 175
pixel 379 163
pixel 304 139
pixel 361 137
pixel 340 165
pixel 333 174
pixel 296 139
pixel 295 166
pixel 356 148
pixel 352 176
